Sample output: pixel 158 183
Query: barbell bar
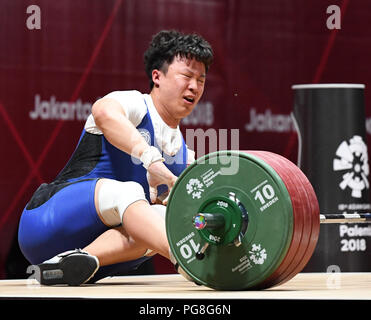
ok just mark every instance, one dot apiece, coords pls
pixel 345 218
pixel 204 220
pixel 252 225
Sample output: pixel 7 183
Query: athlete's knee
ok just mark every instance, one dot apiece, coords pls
pixel 114 197
pixel 160 210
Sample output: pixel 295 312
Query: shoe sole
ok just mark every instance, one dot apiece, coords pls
pixel 73 270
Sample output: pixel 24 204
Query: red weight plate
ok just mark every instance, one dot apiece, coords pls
pixel 314 233
pixel 297 248
pixel 299 228
pixel 312 213
pixel 304 209
pixel 296 191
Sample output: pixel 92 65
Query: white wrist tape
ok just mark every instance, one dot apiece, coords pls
pixel 150 155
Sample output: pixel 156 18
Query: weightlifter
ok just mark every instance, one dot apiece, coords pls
pixel 98 218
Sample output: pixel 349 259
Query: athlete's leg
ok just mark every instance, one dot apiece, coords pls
pixel 59 218
pixel 146 227
pixel 142 228
pixel 114 246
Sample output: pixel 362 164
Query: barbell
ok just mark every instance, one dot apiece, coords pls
pixel 243 220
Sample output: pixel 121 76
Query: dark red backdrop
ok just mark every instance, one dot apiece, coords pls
pixel 87 48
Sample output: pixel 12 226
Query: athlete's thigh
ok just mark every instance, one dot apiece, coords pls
pixel 68 220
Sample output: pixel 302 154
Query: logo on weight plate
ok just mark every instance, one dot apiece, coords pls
pixel 195 188
pixel 352 158
pixel 257 254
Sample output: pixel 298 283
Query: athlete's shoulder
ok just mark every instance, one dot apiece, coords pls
pixel 128 98
pixel 125 94
pixel 133 103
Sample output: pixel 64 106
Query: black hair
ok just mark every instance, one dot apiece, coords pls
pixel 167 44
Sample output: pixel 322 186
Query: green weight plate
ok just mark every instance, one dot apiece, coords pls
pixel 269 233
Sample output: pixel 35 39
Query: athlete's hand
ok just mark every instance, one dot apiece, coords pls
pixel 158 174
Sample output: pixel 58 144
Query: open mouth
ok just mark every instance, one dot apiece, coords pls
pixel 189 99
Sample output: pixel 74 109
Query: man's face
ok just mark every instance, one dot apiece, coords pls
pixel 181 87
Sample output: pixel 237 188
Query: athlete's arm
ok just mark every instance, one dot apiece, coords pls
pixel 111 119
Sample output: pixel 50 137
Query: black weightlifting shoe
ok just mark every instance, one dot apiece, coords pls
pixel 73 268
